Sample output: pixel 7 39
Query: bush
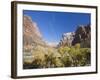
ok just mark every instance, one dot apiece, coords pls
pixel 61 57
pixel 62 50
pixel 67 61
pixel 77 46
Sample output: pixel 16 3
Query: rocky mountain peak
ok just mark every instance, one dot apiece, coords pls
pixel 67 39
pixel 31 33
pixel 82 35
pixel 31 26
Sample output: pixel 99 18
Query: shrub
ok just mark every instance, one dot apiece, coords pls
pixel 77 46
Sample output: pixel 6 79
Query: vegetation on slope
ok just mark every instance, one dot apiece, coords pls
pixel 47 57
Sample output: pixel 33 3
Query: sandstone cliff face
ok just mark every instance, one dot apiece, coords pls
pixel 33 36
pixel 31 33
pixel 67 39
pixel 82 35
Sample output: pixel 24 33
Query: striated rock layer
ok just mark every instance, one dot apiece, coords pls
pixel 82 35
pixel 31 33
pixel 67 39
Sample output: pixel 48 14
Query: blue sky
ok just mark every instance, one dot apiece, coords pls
pixel 53 24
